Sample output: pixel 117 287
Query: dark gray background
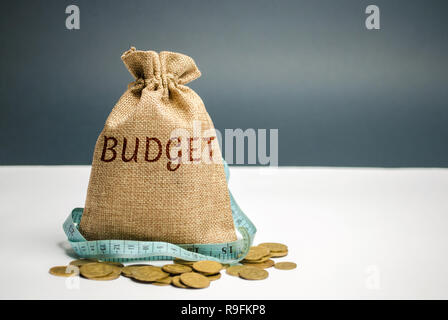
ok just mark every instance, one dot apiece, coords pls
pixel 339 94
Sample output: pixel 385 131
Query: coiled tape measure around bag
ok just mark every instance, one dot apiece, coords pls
pixel 128 250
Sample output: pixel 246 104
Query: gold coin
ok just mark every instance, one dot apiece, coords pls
pixel 127 271
pixel 234 270
pixel 274 247
pixel 163 282
pixel 263 265
pixel 63 271
pixel 253 273
pixel 256 253
pixel 160 284
pixel 194 280
pixel 80 262
pixel 185 262
pixel 176 268
pixel 285 265
pixel 279 254
pixel 111 276
pixel 205 273
pixel 207 267
pixel 148 274
pixel 176 282
pixel 263 259
pixel 214 277
pixel 96 270
pixel 117 264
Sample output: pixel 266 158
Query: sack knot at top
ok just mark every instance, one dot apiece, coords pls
pixel 158 70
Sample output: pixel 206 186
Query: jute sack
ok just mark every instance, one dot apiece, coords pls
pixel 148 182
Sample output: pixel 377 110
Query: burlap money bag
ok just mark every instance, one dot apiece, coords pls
pixel 140 188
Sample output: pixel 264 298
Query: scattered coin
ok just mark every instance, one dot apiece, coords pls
pixel 160 284
pixel 279 254
pixel 194 280
pixel 257 253
pixel 63 271
pixel 163 282
pixel 263 259
pixel 95 270
pixel 263 265
pixel 274 247
pixel 207 267
pixel 253 273
pixel 127 271
pixel 182 273
pixel 176 268
pixel 111 276
pixel 285 265
pixel 176 282
pixel 117 264
pixel 148 274
pixel 214 277
pixel 186 262
pixel 234 270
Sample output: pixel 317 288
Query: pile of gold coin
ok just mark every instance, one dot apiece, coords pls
pixel 182 273
pixel 258 259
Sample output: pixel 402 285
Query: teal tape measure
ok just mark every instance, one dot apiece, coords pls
pixel 128 250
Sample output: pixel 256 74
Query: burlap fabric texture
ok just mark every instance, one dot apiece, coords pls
pixel 146 183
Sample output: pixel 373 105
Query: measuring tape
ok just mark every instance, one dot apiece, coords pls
pixel 129 250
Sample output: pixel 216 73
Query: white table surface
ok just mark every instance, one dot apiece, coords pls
pixel 355 234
